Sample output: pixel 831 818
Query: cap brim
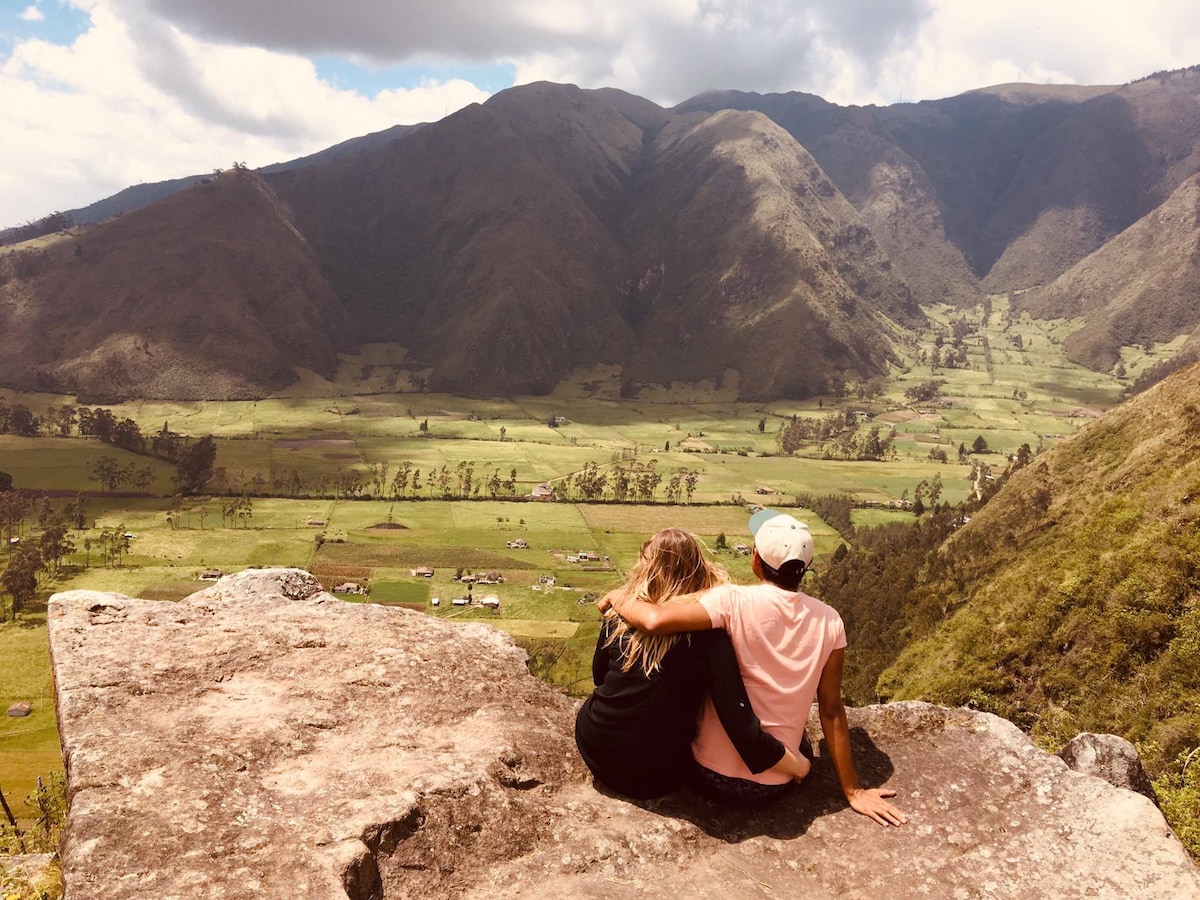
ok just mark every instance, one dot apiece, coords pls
pixel 762 516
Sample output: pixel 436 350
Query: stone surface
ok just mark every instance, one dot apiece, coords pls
pixel 1109 757
pixel 262 739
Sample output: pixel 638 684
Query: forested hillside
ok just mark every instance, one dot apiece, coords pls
pixel 1069 602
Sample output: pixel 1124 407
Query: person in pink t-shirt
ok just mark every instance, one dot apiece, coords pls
pixel 790 649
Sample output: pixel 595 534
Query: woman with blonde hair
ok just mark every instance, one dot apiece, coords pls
pixel 635 731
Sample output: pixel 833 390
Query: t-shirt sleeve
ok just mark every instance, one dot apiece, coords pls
pixel 838 629
pixel 758 750
pixel 717 603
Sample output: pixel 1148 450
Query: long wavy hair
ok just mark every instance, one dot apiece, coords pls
pixel 671 563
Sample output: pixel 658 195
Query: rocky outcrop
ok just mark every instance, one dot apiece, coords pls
pixel 1109 757
pixel 262 739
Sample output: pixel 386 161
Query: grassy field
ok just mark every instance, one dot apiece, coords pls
pixel 1018 388
pixel 28 745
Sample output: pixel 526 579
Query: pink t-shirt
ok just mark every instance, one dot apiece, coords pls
pixel 783 641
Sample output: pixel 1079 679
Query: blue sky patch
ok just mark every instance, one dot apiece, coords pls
pixel 369 81
pixel 60 23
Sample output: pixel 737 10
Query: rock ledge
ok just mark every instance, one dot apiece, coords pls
pixel 263 739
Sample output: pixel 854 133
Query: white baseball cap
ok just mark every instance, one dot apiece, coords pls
pixel 779 538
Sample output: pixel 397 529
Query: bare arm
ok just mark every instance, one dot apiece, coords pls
pixel 681 614
pixel 793 765
pixel 870 802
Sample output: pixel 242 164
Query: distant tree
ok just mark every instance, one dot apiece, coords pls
pixel 689 483
pixel 937 454
pixel 22 421
pixel 1024 455
pixel 6 482
pixel 721 542
pixel 762 424
pixel 424 426
pixel 102 424
pixel 503 432
pixel 20 578
pixel 54 545
pixel 195 465
pixel 106 472
pixel 925 391
pixel 980 445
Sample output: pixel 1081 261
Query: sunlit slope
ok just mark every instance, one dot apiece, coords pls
pixel 1069 601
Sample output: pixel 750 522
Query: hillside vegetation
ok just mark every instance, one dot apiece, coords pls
pixel 1069 602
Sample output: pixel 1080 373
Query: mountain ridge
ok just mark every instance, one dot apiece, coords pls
pixel 535 233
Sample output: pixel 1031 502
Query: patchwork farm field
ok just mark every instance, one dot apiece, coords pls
pixel 318 468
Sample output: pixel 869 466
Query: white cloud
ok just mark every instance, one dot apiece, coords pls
pixel 135 99
pixel 31 14
pixel 158 89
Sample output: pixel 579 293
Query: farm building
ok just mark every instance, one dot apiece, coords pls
pixel 350 587
pixel 491 601
pixel 489 578
pixel 211 575
pixel 518 544
pixel 20 709
pixel 319 523
pixel 543 492
pixel 423 572
pixel 741 549
pixel 460 601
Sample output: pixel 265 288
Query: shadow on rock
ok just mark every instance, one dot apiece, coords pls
pixel 819 795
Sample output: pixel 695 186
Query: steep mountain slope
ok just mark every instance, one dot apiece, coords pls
pixel 553 227
pixel 746 257
pixel 890 188
pixel 1071 600
pixel 1008 186
pixel 1143 285
pixel 480 244
pixel 209 293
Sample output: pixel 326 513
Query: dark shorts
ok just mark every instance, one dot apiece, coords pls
pixel 743 791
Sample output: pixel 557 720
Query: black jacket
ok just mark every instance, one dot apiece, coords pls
pixel 635 733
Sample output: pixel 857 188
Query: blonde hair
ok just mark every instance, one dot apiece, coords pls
pixel 672 562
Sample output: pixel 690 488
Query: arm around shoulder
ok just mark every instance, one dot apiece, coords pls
pixel 663 618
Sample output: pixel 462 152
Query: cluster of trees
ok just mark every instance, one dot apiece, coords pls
pixel 110 475
pixel 950 351
pixel 838 436
pixel 832 508
pixel 31 555
pixel 193 459
pixel 633 482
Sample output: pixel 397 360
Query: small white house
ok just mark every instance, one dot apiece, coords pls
pixel 518 544
pixel 436 601
pixel 460 601
pixel 491 601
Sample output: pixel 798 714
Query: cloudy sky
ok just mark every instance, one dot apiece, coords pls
pixel 96 95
